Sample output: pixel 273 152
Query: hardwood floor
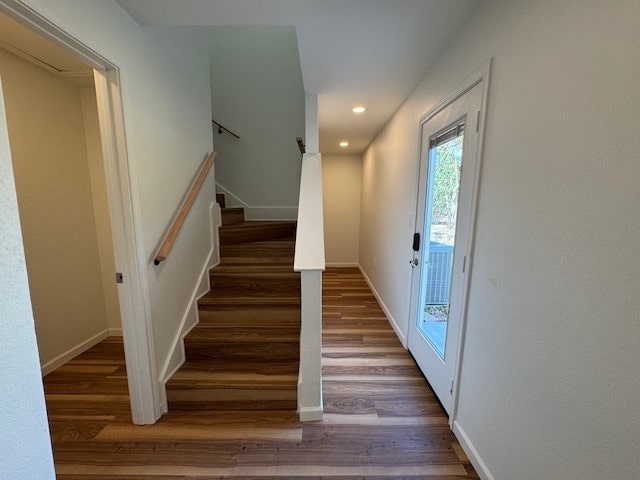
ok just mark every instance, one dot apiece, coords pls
pixel 381 421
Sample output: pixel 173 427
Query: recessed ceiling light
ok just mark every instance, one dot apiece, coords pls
pixel 358 109
pixel 344 144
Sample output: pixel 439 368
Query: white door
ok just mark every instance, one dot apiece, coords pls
pixel 448 158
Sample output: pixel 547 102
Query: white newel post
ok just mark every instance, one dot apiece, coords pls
pixel 310 379
pixel 309 261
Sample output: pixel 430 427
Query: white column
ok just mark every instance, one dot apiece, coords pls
pixel 310 376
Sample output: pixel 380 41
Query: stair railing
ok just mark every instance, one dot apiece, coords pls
pixel 222 127
pixel 310 262
pixel 178 220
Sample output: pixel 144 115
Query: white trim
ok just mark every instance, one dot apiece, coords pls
pixel 171 365
pixel 482 74
pixel 310 371
pixel 310 414
pixel 144 391
pixel 253 212
pixel 390 318
pixel 176 356
pixel 215 238
pixel 471 452
pixel 115 332
pixel 73 352
pixel 343 265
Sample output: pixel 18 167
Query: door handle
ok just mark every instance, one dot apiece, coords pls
pixel 416 242
pixel 414 262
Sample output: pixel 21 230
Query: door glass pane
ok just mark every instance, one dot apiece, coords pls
pixel 445 161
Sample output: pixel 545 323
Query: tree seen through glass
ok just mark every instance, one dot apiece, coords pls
pixel 446 185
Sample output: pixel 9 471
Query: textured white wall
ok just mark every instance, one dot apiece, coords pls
pixel 549 384
pixel 24 432
pixel 341 179
pixel 258 93
pixel 49 156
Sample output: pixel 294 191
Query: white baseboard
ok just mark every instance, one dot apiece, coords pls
pixel 176 356
pixel 214 212
pixel 472 453
pixel 115 332
pixel 394 324
pixel 310 414
pixel 342 265
pixel 254 212
pixel 190 319
pixel 63 358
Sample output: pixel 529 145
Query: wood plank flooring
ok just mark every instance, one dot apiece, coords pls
pixel 382 421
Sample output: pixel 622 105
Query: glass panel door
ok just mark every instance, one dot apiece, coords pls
pixel 444 212
pixel 443 188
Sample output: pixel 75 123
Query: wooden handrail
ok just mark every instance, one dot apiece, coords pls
pixel 183 211
pixel 300 145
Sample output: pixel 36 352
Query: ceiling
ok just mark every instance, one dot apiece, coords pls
pixel 352 52
pixel 23 42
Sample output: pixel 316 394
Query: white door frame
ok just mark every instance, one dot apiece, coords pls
pixel 146 395
pixel 481 75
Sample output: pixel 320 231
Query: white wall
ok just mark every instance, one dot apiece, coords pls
pixel 341 179
pixel 23 442
pixel 258 93
pixel 49 155
pixel 549 384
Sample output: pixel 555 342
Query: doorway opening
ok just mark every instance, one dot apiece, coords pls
pixel 70 163
pixel 449 166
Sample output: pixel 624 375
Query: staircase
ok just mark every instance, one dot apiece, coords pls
pixel 244 353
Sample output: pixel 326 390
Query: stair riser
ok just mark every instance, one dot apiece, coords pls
pixel 290 286
pixel 237 235
pixel 240 404
pixel 285 250
pixel 238 334
pixel 244 367
pixel 276 352
pixel 260 397
pixel 232 216
pixel 237 301
pixel 229 261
